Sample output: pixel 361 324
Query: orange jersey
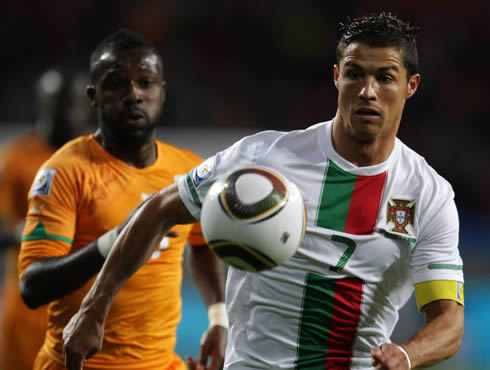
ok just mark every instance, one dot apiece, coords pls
pixel 22 329
pixel 80 193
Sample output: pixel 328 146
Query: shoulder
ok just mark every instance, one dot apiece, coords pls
pixel 433 192
pixel 266 142
pixel 73 153
pixel 271 137
pixel 68 163
pixel 421 171
pixel 65 168
pixel 183 155
pixel 176 149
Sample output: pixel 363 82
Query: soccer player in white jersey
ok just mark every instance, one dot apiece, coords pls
pixel 381 225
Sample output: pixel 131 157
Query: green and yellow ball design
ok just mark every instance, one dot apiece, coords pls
pixel 254 218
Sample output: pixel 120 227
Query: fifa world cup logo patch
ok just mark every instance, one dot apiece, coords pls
pixel 402 213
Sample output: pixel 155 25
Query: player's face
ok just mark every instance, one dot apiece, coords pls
pixel 373 87
pixel 129 96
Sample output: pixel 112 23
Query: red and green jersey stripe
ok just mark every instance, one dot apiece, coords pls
pixel 349 203
pixel 329 320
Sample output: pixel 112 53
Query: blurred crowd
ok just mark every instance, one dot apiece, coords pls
pixel 268 64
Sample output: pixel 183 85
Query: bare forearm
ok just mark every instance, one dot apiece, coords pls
pixel 441 336
pixel 208 272
pixel 135 245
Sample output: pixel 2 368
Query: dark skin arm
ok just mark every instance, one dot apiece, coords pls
pixel 208 273
pixel 48 279
pixel 83 335
pixel 438 340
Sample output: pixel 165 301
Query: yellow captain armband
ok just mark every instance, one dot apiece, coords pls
pixel 430 291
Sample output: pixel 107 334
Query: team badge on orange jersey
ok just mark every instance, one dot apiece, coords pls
pixel 43 181
pixel 402 213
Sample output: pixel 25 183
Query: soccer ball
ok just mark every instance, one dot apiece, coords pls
pixel 253 218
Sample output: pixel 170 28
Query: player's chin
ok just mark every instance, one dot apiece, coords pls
pixel 365 135
pixel 137 135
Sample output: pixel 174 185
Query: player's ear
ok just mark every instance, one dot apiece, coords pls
pixel 336 73
pixel 91 95
pixel 413 84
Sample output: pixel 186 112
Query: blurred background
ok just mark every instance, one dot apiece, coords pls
pixel 237 67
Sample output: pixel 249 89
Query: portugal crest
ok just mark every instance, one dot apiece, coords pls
pixel 402 213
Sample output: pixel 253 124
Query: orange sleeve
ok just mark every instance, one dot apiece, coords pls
pixel 51 216
pixel 196 237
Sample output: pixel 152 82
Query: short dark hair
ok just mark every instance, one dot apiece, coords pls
pixel 120 41
pixel 381 30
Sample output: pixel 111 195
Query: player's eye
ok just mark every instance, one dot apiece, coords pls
pixel 146 83
pixel 385 78
pixel 353 74
pixel 115 83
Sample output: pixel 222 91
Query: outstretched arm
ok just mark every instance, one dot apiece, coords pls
pixel 438 340
pixel 135 244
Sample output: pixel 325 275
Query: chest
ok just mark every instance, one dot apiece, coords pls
pixel 361 225
pixel 109 195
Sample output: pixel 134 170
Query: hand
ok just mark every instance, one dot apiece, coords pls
pixel 82 338
pixel 213 343
pixel 389 357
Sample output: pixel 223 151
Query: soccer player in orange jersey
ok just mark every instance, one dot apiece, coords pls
pixel 80 196
pixel 62 113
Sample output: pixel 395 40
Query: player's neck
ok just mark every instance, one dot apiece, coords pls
pixel 139 156
pixel 360 153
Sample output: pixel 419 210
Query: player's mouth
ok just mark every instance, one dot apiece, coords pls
pixel 367 113
pixel 134 117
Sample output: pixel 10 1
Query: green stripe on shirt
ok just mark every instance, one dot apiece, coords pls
pixel 193 191
pixel 338 187
pixel 39 233
pixel 444 266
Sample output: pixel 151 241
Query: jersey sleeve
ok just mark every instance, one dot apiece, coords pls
pixel 194 186
pixel 436 254
pixel 434 290
pixel 51 216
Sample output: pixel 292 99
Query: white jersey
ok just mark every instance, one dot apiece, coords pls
pixel 372 233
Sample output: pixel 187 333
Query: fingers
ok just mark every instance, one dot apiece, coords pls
pixel 73 362
pixel 190 363
pixel 203 355
pixel 389 357
pixel 376 355
pixel 91 353
pixel 82 339
pixel 213 344
pixel 213 365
